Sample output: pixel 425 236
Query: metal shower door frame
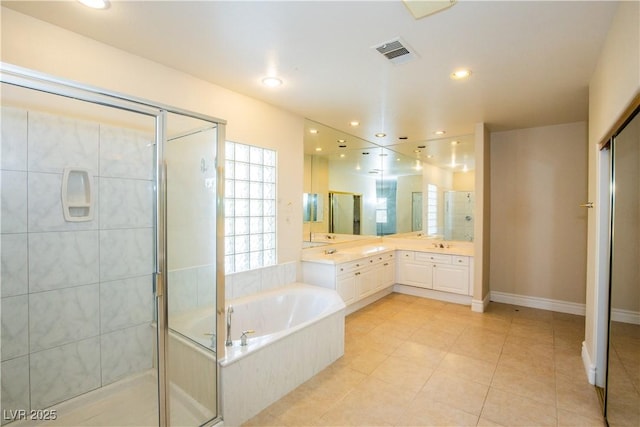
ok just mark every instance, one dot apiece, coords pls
pixel 30 79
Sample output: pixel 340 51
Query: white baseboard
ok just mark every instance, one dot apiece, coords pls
pixel 430 293
pixel 537 302
pixel 625 316
pixel 480 306
pixel 589 366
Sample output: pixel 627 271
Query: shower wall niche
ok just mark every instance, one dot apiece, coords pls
pixel 77 296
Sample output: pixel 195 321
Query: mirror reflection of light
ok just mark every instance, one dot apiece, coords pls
pixel 95 4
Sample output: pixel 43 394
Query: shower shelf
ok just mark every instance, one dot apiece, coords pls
pixel 77 195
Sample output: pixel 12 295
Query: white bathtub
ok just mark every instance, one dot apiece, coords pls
pixel 276 314
pixel 299 331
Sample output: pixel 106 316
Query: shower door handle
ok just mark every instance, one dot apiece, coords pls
pixel 587 205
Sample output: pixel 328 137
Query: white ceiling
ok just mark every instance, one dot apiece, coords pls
pixel 531 61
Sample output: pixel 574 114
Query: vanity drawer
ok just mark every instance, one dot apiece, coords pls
pixel 429 257
pixel 460 260
pixel 352 266
pixel 380 258
pixel 405 255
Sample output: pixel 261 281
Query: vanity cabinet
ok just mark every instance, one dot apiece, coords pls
pixel 441 272
pixel 353 280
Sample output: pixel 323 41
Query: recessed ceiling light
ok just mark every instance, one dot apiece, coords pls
pixel 318 148
pixel 314 131
pixel 342 155
pixel 403 137
pixel 342 141
pixel 460 74
pixel 271 81
pixel 342 146
pixel 380 135
pixel 422 146
pixel 416 151
pixel 455 142
pixel 96 4
pixel 440 132
pixel 354 123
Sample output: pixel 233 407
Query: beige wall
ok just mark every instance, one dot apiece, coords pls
pixel 40 46
pixel 613 85
pixel 538 230
pixel 464 181
pixel 483 214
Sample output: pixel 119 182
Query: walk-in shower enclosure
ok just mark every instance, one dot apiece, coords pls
pixel 110 226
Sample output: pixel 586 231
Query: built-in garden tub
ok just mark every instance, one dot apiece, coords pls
pixel 298 331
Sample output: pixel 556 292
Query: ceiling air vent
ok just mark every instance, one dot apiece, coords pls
pixel 397 51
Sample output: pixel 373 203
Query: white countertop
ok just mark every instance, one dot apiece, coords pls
pixel 353 253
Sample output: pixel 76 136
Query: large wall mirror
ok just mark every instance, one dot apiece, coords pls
pixel 355 188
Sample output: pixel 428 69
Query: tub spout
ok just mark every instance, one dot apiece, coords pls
pixel 228 342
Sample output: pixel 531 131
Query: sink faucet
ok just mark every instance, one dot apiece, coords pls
pixel 228 342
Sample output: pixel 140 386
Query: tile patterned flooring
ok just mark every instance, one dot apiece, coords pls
pixel 411 361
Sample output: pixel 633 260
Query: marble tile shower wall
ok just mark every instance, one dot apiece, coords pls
pixel 77 300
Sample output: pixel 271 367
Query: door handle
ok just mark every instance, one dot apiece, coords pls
pixel 587 205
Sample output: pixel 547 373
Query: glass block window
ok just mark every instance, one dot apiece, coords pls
pixel 432 209
pixel 250 207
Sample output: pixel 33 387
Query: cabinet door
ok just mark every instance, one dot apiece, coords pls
pixel 346 287
pixel 388 274
pixel 369 280
pixel 415 274
pixel 451 278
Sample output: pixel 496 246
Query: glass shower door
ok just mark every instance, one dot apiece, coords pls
pixel 77 249
pixel 191 203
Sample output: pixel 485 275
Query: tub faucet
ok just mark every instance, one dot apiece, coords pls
pixel 228 342
pixel 243 337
